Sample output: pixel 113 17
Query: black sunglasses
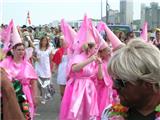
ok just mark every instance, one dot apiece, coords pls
pixel 119 83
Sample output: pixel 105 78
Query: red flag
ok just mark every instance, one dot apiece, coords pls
pixel 28 18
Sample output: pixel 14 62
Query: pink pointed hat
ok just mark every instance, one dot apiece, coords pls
pixel 6 36
pixel 69 34
pixel 103 45
pixel 83 36
pixel 100 42
pixel 116 43
pixel 144 33
pixel 15 39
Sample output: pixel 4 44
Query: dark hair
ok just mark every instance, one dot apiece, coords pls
pixel 57 42
pixel 157 31
pixel 18 44
pixel 24 26
pixel 40 43
pixel 9 53
pixel 158 46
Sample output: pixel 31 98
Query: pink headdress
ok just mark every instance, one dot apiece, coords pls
pixel 15 38
pixel 6 36
pixel 69 35
pixel 103 45
pixel 116 43
pixel 100 42
pixel 82 36
pixel 144 33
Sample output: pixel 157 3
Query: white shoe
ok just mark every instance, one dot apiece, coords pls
pixel 43 101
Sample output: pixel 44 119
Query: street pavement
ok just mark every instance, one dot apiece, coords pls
pixel 50 110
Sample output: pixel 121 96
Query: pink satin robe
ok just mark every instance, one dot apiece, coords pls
pixel 80 98
pixel 104 90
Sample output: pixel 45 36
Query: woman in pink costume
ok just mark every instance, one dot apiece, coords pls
pixel 20 69
pixel 80 97
pixel 104 82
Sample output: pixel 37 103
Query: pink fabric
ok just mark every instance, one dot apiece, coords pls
pixel 100 27
pixel 15 36
pixel 87 33
pixel 104 90
pixel 81 37
pixel 23 72
pixel 97 37
pixel 6 36
pixel 144 33
pixel 111 36
pixel 80 98
pixel 69 35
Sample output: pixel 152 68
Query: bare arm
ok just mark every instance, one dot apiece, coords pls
pixel 100 75
pixel 77 67
pixel 11 108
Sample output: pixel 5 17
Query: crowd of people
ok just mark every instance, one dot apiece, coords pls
pixel 101 75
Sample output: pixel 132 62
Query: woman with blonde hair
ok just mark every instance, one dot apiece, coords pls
pixel 61 63
pixel 80 87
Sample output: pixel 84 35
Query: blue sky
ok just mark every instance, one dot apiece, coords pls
pixel 45 11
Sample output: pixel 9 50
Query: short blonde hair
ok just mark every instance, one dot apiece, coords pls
pixel 136 61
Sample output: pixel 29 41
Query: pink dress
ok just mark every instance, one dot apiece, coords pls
pixel 104 90
pixel 23 72
pixel 80 98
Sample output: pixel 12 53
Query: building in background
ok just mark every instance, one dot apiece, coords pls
pixel 143 6
pixel 113 17
pixel 151 14
pixel 126 12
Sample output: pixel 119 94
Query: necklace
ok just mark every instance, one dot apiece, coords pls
pixel 119 112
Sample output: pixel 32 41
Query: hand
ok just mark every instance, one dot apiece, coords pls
pixel 93 58
pixel 99 60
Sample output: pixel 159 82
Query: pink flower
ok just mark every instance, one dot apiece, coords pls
pixel 158 118
pixel 117 117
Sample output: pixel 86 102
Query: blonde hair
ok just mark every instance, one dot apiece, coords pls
pixel 87 46
pixel 136 61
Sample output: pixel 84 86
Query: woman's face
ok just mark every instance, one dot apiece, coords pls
pixel 132 95
pixel 19 52
pixel 44 42
pixel 91 49
pixel 158 35
pixel 105 53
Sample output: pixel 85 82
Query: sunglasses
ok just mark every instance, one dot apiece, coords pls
pixel 119 83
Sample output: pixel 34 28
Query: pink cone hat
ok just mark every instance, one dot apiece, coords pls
pixel 15 36
pixel 144 33
pixel 103 44
pixel 69 33
pixel 116 43
pixel 80 39
pixel 100 42
pixel 6 36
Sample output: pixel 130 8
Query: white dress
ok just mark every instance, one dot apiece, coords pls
pixel 61 77
pixel 42 66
